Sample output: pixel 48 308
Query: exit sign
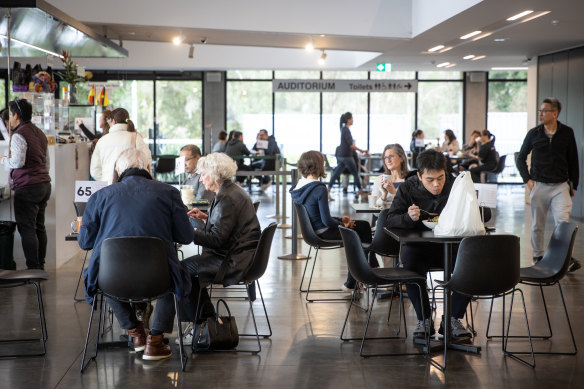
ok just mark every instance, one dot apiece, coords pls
pixel 383 67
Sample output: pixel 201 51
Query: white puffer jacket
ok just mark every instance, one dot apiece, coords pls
pixel 108 149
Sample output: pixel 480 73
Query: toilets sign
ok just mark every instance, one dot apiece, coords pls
pixel 344 86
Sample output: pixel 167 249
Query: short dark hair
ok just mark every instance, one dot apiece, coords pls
pixel 22 108
pixel 264 130
pixel 193 149
pixel 555 103
pixel 222 135
pixel 311 163
pixel 450 135
pixel 430 160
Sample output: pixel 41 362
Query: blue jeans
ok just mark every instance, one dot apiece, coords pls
pixel 342 164
pixel 162 318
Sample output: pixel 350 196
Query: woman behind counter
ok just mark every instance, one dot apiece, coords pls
pixel 395 169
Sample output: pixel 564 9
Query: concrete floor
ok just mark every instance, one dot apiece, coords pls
pixel 305 350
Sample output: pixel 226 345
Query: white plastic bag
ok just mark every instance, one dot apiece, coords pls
pixel 461 216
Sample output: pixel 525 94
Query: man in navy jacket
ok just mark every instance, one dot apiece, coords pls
pixel 138 206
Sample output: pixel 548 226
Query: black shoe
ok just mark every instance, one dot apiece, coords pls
pixel 574 265
pixel 537 259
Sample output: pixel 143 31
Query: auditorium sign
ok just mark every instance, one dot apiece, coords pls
pixel 344 85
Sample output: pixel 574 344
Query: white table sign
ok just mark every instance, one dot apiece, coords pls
pixel 179 165
pixel 419 142
pixel 262 144
pixel 84 189
pixel 487 195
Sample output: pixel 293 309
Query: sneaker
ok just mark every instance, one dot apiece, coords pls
pixel 144 315
pixel 267 184
pixel 537 259
pixel 424 327
pixel 574 265
pixel 156 349
pixel 457 329
pixel 348 288
pixel 188 334
pixel 138 336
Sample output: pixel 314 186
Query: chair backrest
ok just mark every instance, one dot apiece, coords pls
pixel 381 243
pixel 262 254
pixel 356 259
pixel 308 233
pixel 165 164
pixel 559 251
pixel 256 205
pixel 500 165
pixel 134 268
pixel 79 208
pixel 486 265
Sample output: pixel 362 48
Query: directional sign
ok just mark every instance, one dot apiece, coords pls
pixel 345 85
pixel 383 67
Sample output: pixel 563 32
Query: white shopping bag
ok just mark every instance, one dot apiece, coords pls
pixel 461 216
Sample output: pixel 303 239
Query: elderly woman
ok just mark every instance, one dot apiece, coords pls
pixel 395 168
pixel 231 230
pixel 313 194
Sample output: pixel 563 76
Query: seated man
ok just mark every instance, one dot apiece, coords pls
pixel 136 205
pixel 266 146
pixel 428 190
pixel 236 148
pixel 192 154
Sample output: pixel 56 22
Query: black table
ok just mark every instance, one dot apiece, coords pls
pixel 427 236
pixel 364 208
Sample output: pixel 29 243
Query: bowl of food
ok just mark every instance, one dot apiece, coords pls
pixel 431 223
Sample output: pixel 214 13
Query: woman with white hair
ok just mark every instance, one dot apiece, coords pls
pixel 231 232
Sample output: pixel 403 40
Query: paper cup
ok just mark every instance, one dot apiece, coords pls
pixel 372 201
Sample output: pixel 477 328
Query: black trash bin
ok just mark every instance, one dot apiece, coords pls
pixel 7 229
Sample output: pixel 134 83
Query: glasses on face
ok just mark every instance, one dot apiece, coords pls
pixel 545 110
pixel 389 157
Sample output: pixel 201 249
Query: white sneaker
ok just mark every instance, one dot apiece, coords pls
pixel 266 185
pixel 187 336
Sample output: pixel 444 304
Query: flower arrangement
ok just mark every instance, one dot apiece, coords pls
pixel 71 75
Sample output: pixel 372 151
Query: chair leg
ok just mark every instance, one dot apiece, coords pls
pixel 265 336
pixel 304 272
pixel 320 290
pixel 83 364
pixel 75 298
pixel 183 358
pixel 506 338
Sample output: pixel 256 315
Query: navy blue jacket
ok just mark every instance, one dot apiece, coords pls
pixel 136 206
pixel 314 197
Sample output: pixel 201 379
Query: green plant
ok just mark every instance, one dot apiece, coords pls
pixel 70 75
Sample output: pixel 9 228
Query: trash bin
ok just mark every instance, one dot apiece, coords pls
pixel 7 229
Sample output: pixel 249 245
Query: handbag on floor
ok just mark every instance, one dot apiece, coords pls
pixel 216 332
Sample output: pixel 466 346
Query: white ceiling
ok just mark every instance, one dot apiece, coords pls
pixel 271 34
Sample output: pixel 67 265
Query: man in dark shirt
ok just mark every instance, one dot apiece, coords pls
pixel 553 177
pixel 428 191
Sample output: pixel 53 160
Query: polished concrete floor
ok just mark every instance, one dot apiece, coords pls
pixel 305 350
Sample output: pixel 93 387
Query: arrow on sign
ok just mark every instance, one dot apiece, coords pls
pixel 408 85
pixel 380 67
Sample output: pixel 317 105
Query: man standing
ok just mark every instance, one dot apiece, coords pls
pixel 429 191
pixel 29 178
pixel 136 205
pixel 553 177
pixel 192 155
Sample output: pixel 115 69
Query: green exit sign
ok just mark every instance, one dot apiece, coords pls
pixel 383 67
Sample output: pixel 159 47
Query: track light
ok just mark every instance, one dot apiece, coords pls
pixel 177 40
pixel 309 46
pixel 191 51
pixel 322 59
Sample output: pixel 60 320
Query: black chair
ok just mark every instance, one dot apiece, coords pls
pixel 380 244
pixel 163 168
pixel 79 209
pixel 316 242
pixel 549 271
pixel 146 259
pixel 374 278
pixel 16 278
pixel 256 270
pixel 487 266
pixel 491 176
pixel 256 205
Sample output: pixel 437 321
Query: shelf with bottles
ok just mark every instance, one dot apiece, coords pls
pixel 43 109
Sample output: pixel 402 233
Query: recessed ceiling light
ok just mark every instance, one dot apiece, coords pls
pixel 470 35
pixel 482 36
pixel 444 50
pixel 499 40
pixel 443 64
pixel 177 40
pixel 309 46
pixel 322 35
pixel 519 15
pixel 479 57
pixel 470 56
pixel 436 48
pixel 449 66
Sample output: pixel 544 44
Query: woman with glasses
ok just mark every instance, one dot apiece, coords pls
pixel 395 169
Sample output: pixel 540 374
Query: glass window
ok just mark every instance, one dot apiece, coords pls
pixel 179 115
pixel 393 75
pixel 333 106
pixel 508 75
pixel 439 75
pixel 138 99
pixel 352 75
pixel 249 108
pixel 440 108
pixel 297 75
pixel 391 120
pixel 297 123
pixel 249 74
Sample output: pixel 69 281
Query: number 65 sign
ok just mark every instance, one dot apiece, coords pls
pixel 84 189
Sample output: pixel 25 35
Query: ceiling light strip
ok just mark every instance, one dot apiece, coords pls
pixel 470 35
pixel 519 15
pixel 436 48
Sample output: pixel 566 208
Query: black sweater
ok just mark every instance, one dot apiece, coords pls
pixel 553 160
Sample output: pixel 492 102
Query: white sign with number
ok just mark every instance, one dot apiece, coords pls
pixel 179 165
pixel 487 195
pixel 84 189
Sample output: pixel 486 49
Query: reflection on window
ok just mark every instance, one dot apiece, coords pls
pixel 249 75
pixel 179 115
pixel 249 108
pixel 297 123
pixel 440 75
pixel 440 108
pixel 393 75
pixel 352 75
pixel 297 75
pixel 391 120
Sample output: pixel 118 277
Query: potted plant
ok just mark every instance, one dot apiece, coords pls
pixel 71 76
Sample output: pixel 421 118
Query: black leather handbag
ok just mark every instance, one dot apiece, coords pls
pixel 217 332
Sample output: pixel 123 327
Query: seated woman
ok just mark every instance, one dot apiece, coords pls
pixel 230 235
pixel 395 169
pixel 450 145
pixel 313 194
pixel 487 156
pixel 473 147
pixel 417 145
